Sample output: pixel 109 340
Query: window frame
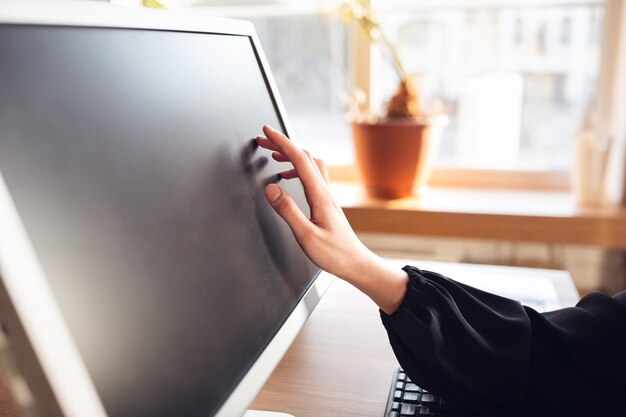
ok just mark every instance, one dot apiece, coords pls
pixel 359 53
pixel 470 177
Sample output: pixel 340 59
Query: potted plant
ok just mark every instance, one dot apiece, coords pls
pixel 395 150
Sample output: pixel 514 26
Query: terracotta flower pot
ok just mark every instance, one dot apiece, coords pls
pixel 395 156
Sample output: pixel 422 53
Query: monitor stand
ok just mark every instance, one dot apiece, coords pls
pixel 257 413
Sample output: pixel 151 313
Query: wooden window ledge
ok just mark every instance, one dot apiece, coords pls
pixel 512 215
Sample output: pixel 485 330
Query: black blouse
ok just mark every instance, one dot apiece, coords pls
pixel 496 356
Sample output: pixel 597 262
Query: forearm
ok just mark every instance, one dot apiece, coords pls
pixel 468 346
pixel 384 284
pixel 522 362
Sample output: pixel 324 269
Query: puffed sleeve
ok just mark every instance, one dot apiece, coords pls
pixel 496 356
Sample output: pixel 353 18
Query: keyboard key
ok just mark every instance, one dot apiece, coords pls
pixel 411 396
pixel 408 410
pixel 437 412
pixel 412 388
pixel 427 411
pixel 428 398
pixel 409 399
pixel 445 404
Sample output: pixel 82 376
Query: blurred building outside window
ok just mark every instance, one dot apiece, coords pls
pixel 516 77
pixel 295 39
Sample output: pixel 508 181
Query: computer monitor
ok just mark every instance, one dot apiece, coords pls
pixel 143 273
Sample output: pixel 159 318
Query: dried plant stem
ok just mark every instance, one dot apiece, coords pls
pixel 395 56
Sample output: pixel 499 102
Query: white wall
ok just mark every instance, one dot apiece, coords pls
pixel 586 264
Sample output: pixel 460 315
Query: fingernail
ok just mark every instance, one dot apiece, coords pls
pixel 273 193
pixel 270 128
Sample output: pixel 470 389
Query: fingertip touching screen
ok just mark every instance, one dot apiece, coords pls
pixel 130 157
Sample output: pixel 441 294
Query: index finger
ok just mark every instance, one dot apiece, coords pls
pixel 300 160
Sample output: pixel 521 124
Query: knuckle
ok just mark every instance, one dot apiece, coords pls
pixel 280 202
pixel 309 234
pixel 302 156
pixel 326 199
pixel 286 206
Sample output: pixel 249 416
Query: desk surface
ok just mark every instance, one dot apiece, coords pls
pixel 341 363
pixel 511 215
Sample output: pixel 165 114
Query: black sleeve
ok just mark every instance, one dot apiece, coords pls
pixel 496 356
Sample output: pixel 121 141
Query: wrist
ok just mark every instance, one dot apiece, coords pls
pixel 362 265
pixel 384 284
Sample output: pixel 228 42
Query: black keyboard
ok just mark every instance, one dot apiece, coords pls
pixel 407 399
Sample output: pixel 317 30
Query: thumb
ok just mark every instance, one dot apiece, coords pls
pixel 287 208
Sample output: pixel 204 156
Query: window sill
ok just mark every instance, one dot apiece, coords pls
pixel 477 178
pixel 501 214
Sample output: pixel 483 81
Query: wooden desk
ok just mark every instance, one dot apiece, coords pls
pixel 511 215
pixel 341 363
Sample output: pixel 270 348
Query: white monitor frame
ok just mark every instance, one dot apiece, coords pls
pixel 41 363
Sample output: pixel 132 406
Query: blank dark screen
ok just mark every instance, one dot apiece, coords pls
pixel 129 156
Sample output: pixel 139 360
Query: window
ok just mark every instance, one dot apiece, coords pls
pixel 515 77
pixel 296 39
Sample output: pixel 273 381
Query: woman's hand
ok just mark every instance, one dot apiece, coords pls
pixel 327 238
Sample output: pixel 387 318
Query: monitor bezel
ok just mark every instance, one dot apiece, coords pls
pixel 39 343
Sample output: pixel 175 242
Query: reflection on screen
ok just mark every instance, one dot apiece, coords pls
pixel 129 156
